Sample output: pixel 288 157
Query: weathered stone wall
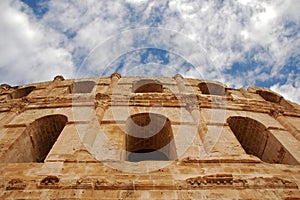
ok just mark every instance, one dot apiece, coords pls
pixel 73 138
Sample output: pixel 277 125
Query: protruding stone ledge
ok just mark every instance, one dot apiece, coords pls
pixel 229 181
pixel 15 125
pixel 218 180
pixel 221 160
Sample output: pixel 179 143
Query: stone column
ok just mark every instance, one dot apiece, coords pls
pixel 100 110
pixel 8 118
pixel 93 127
pixel 286 124
pixel 180 83
pixel 114 81
pixel 198 119
pixel 15 110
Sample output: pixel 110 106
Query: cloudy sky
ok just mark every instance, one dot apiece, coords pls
pixel 238 42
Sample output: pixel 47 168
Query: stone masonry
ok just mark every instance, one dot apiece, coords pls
pixel 147 138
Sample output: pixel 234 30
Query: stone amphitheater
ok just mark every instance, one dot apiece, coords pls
pixel 147 138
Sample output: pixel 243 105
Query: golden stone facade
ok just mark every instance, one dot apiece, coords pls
pixel 147 138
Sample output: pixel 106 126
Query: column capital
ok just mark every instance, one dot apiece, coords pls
pixel 5 87
pixel 18 107
pixel 101 104
pixel 117 75
pixel 190 106
pixel 275 113
pixel 178 76
pixel 58 78
pixel 102 96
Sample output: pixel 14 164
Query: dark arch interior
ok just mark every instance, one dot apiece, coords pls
pixel 83 87
pixel 146 86
pixel 258 141
pixel 212 89
pixel 272 97
pixel 146 154
pixel 45 132
pixel 19 93
pixel 269 96
pixel 37 140
pixel 149 137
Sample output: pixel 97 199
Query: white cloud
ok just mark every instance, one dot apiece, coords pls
pixel 290 90
pixel 211 35
pixel 29 51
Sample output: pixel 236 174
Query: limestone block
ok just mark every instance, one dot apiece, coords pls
pixel 295 121
pixel 290 150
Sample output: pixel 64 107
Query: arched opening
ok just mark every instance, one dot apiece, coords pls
pixel 257 140
pixel 275 98
pixel 19 93
pixel 270 96
pixel 146 86
pixel 212 88
pixel 149 136
pixel 37 140
pixel 82 87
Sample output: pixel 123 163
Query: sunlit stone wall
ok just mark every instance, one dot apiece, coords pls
pixel 147 137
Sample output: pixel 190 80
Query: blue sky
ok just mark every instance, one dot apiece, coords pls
pixel 39 7
pixel 238 42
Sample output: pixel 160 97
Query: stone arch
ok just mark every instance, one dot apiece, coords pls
pixel 19 93
pixel 211 88
pixel 147 85
pixel 37 140
pixel 82 87
pixel 269 96
pixel 257 140
pixel 274 98
pixel 149 136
